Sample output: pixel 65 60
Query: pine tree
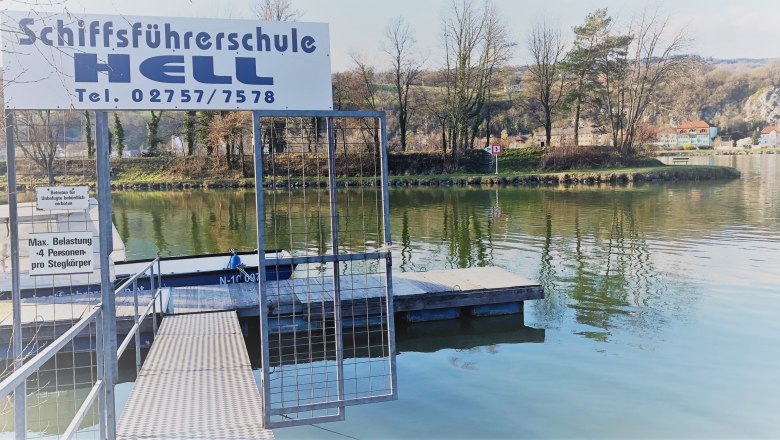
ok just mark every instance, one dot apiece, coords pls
pixel 190 131
pixel 590 42
pixel 119 135
pixel 152 138
pixel 88 133
pixel 204 125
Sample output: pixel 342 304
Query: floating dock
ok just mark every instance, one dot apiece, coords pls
pixel 417 296
pixel 199 362
pixel 196 383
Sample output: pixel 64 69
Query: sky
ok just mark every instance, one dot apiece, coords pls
pixel 717 28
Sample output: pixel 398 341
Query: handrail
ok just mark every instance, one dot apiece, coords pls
pixel 135 327
pixel 19 376
pixel 83 410
pixel 138 318
pixel 129 281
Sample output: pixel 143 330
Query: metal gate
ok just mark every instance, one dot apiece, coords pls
pixel 328 339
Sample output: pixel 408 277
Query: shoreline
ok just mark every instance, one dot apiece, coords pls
pixel 729 152
pixel 619 176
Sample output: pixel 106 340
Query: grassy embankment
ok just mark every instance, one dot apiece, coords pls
pixel 526 166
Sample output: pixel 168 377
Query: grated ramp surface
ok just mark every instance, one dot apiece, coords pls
pixel 196 383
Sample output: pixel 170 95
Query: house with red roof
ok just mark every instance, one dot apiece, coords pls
pixel 696 133
pixel 768 136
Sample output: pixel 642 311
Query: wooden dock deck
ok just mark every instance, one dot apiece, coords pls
pixel 417 296
pixel 196 383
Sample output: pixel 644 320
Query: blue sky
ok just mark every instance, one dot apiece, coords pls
pixel 718 28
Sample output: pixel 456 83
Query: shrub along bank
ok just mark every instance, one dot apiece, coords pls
pixel 521 166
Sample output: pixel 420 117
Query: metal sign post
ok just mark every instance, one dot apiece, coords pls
pixel 495 150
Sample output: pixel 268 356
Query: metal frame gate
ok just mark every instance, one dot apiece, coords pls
pixel 327 334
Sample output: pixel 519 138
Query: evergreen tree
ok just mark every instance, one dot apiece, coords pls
pixel 591 42
pixel 190 131
pixel 152 137
pixel 88 133
pixel 204 125
pixel 119 135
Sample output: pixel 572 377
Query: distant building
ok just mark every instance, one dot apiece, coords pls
pixel 588 136
pixel 723 141
pixel 745 142
pixel 696 133
pixel 768 136
pixel 666 137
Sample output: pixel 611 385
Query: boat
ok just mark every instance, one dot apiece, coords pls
pixel 211 269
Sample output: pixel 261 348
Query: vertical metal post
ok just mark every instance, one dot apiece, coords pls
pixel 137 327
pixel 154 313
pixel 110 366
pixel 100 371
pixel 389 262
pixel 334 233
pixel 20 393
pixel 159 288
pixel 154 294
pixel 265 362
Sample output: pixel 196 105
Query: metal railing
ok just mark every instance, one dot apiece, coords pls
pixel 138 319
pixel 17 381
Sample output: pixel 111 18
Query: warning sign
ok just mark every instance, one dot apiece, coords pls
pixel 60 253
pixel 63 197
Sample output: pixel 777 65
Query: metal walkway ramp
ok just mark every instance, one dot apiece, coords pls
pixel 196 383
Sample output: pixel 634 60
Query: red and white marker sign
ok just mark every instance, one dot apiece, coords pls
pixel 496 149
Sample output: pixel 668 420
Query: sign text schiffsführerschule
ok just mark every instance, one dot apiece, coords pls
pixel 173 63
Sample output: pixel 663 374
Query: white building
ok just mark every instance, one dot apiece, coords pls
pixel 768 137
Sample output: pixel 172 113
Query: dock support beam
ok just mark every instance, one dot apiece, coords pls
pixel 109 345
pixel 389 260
pixel 265 362
pixel 20 394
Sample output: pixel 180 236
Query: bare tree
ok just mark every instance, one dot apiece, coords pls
pixel 546 77
pixel 40 134
pixel 406 68
pixel 277 10
pixel 363 84
pixel 365 90
pixel 476 44
pixel 231 129
pixel 633 74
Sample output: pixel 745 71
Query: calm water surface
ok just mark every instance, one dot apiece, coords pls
pixel 660 320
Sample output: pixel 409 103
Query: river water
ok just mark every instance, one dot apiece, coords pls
pixel 660 317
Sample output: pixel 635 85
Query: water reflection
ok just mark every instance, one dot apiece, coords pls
pixel 608 257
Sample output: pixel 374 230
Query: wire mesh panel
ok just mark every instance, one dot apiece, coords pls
pixel 49 250
pixel 328 330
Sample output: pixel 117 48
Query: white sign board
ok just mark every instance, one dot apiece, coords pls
pixel 496 149
pixel 63 197
pixel 105 62
pixel 60 253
